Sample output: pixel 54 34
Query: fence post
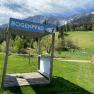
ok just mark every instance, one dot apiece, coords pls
pixel 6 58
pixel 52 53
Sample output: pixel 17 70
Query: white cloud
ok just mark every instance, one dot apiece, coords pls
pixel 25 8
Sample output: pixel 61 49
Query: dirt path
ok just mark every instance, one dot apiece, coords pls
pixel 60 59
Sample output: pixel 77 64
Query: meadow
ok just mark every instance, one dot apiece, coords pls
pixel 68 77
pixel 82 40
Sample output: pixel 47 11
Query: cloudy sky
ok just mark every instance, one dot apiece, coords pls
pixel 25 8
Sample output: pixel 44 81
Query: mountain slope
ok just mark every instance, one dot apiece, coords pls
pixel 85 19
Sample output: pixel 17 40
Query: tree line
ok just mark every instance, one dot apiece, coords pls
pixel 20 44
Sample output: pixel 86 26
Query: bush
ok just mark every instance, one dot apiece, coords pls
pixel 68 45
pixel 2 46
pixel 71 45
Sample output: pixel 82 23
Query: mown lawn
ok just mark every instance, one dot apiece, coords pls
pixel 68 77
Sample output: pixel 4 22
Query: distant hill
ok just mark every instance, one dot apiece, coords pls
pixel 60 21
pixel 84 40
pixel 50 19
pixel 84 19
pixel 80 23
pixel 41 19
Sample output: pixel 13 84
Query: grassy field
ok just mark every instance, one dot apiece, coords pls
pixel 77 55
pixel 68 77
pixel 83 40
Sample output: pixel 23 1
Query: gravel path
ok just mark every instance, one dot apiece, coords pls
pixel 73 60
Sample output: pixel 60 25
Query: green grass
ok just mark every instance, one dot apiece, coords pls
pixel 84 40
pixel 68 77
pixel 76 55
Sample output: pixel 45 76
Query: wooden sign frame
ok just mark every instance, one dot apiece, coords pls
pixel 39 52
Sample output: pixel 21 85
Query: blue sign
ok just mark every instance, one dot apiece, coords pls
pixel 24 25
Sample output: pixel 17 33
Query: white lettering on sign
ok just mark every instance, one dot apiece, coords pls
pixel 26 25
pixel 30 26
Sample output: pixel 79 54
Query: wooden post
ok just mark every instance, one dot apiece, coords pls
pixel 29 57
pixel 6 58
pixel 52 54
pixel 39 53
